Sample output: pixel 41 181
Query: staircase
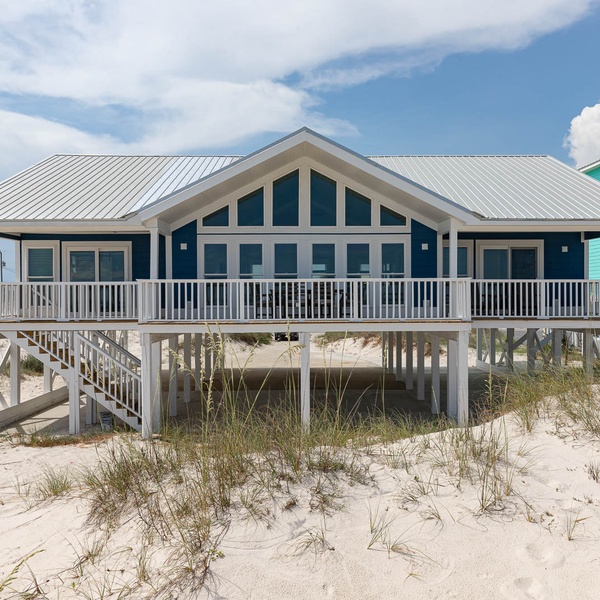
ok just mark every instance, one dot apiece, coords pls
pixel 104 369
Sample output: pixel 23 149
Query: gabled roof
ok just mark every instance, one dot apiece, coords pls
pixel 88 187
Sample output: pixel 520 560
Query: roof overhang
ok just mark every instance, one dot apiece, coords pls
pixel 305 144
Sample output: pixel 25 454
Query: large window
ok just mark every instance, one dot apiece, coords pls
pixel 358 209
pixel 357 260
pixel 251 262
pixel 392 260
pixel 322 200
pixel 251 209
pixel 215 261
pixel 323 261
pixel 285 200
pixel 286 261
pixel 87 262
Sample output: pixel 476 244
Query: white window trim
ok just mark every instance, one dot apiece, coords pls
pixel 97 247
pixel 482 245
pixel 468 244
pixel 53 244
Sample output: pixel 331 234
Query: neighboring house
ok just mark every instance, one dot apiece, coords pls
pixel 303 234
pixel 593 170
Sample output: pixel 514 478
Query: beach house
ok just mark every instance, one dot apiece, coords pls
pixel 303 235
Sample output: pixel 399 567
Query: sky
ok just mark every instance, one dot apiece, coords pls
pixel 230 76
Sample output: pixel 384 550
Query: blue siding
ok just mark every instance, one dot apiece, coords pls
pixel 557 264
pixel 424 262
pixel 162 257
pixel 140 248
pixel 185 261
pixel 594 259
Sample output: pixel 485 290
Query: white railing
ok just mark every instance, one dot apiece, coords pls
pixel 285 300
pixel 120 382
pixel 543 299
pixel 102 301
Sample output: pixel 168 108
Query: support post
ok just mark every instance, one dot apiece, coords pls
pixel 390 352
pixel 493 333
pixel 197 360
pixel 74 392
pixel 304 339
pixel 420 366
pixel 588 353
pixel 462 379
pixel 530 351
pixel 187 367
pixel 173 367
pixel 435 375
pixel 47 379
pixel 157 371
pixel 398 355
pixel 15 375
pixel 510 349
pixel 409 383
pixel 557 347
pixel 149 389
pixel 451 378
pixel 91 413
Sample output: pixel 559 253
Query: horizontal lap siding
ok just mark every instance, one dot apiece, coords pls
pixel 140 248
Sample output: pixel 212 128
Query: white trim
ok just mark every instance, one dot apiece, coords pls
pixel 96 246
pixel 53 244
pixel 468 244
pixel 482 245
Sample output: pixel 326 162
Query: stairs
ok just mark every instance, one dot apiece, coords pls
pixel 104 370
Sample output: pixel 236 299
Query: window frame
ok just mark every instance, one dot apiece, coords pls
pixel 53 245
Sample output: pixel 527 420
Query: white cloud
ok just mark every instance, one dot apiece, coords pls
pixel 210 73
pixel 583 139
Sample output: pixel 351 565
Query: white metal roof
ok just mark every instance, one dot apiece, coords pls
pixel 99 187
pixel 504 187
pixel 72 187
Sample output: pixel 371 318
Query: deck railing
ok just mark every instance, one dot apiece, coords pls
pixel 543 299
pixel 283 300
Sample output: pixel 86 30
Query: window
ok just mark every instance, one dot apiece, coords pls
pixel 357 256
pixel 40 264
pixel 251 209
pixel 390 218
pixel 215 261
pixel 285 200
pixel 510 259
pixel 358 209
pixel 286 261
pixel 86 261
pixel 392 260
pixel 251 264
pixel 323 261
pixel 219 218
pixel 322 201
pixel 463 261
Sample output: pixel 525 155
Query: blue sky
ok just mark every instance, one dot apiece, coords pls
pixel 384 77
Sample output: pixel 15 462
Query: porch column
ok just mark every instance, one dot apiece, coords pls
pixel 390 350
pixel 408 382
pixel 197 361
pixel 451 379
pixel 462 379
pixel 151 405
pixel 440 255
pixel 187 367
pixel 588 352
pixel 304 339
pixel 153 252
pixel 15 375
pixel 510 349
pixel 398 355
pixel 173 367
pixel 435 375
pixel 453 250
pixel 557 347
pixel 531 351
pixel 420 365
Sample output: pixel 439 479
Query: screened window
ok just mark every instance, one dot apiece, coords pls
pixel 323 261
pixel 285 201
pixel 392 260
pixel 357 260
pixel 463 261
pixel 251 263
pixel 215 261
pixel 40 264
pixel 251 209
pixel 358 209
pixel 322 200
pixel 390 218
pixel 219 218
pixel 286 261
